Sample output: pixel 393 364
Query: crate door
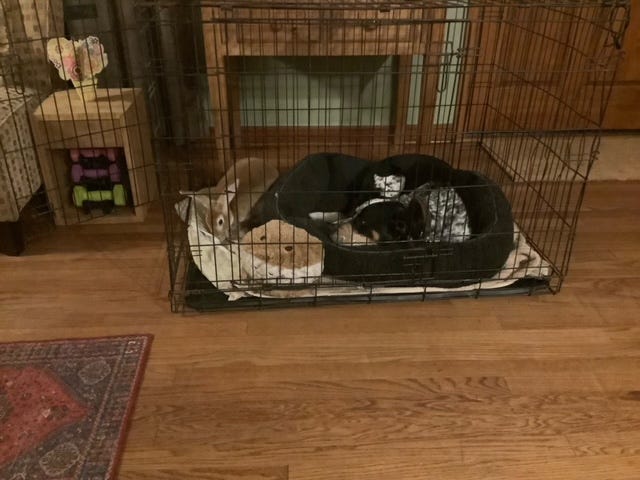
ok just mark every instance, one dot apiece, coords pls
pixel 541 68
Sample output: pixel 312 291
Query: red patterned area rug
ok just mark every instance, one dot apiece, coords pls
pixel 65 406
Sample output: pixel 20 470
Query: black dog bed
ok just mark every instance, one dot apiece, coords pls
pixel 337 183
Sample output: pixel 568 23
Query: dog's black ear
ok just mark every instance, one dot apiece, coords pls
pixel 418 219
pixel 400 228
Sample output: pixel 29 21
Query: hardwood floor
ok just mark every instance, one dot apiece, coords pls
pixel 519 388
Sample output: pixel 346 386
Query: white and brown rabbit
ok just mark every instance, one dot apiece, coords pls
pixel 235 195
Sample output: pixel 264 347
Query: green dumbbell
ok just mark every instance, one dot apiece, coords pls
pixel 87 199
pixel 80 194
pixel 119 195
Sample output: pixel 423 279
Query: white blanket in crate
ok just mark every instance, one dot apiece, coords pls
pixel 220 263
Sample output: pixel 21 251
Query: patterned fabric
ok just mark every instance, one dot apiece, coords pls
pixel 64 406
pixel 25 27
pixel 449 219
pixel 4 39
pixel 19 174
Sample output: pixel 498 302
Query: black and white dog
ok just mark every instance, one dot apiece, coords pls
pixel 388 213
pixel 391 221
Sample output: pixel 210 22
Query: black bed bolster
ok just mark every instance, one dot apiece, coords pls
pixel 332 182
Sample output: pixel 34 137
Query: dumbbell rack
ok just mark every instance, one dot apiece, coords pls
pixel 97 180
pixel 117 118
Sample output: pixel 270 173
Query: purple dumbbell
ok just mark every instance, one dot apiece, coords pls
pixel 78 171
pixel 95 173
pixel 114 173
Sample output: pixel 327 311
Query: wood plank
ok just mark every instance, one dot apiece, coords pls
pixel 189 472
pixel 582 468
pixel 622 110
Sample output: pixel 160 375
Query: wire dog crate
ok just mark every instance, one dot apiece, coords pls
pixel 513 91
pixel 343 151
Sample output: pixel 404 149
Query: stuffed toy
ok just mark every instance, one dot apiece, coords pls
pixel 79 61
pixel 447 213
pixel 278 252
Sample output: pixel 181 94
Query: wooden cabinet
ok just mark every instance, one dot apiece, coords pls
pixel 315 32
pixel 623 111
pixel 551 68
pixel 233 33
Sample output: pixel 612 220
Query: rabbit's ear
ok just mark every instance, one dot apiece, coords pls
pixel 232 189
pixel 222 204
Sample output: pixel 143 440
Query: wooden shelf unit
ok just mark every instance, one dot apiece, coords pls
pixel 117 118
